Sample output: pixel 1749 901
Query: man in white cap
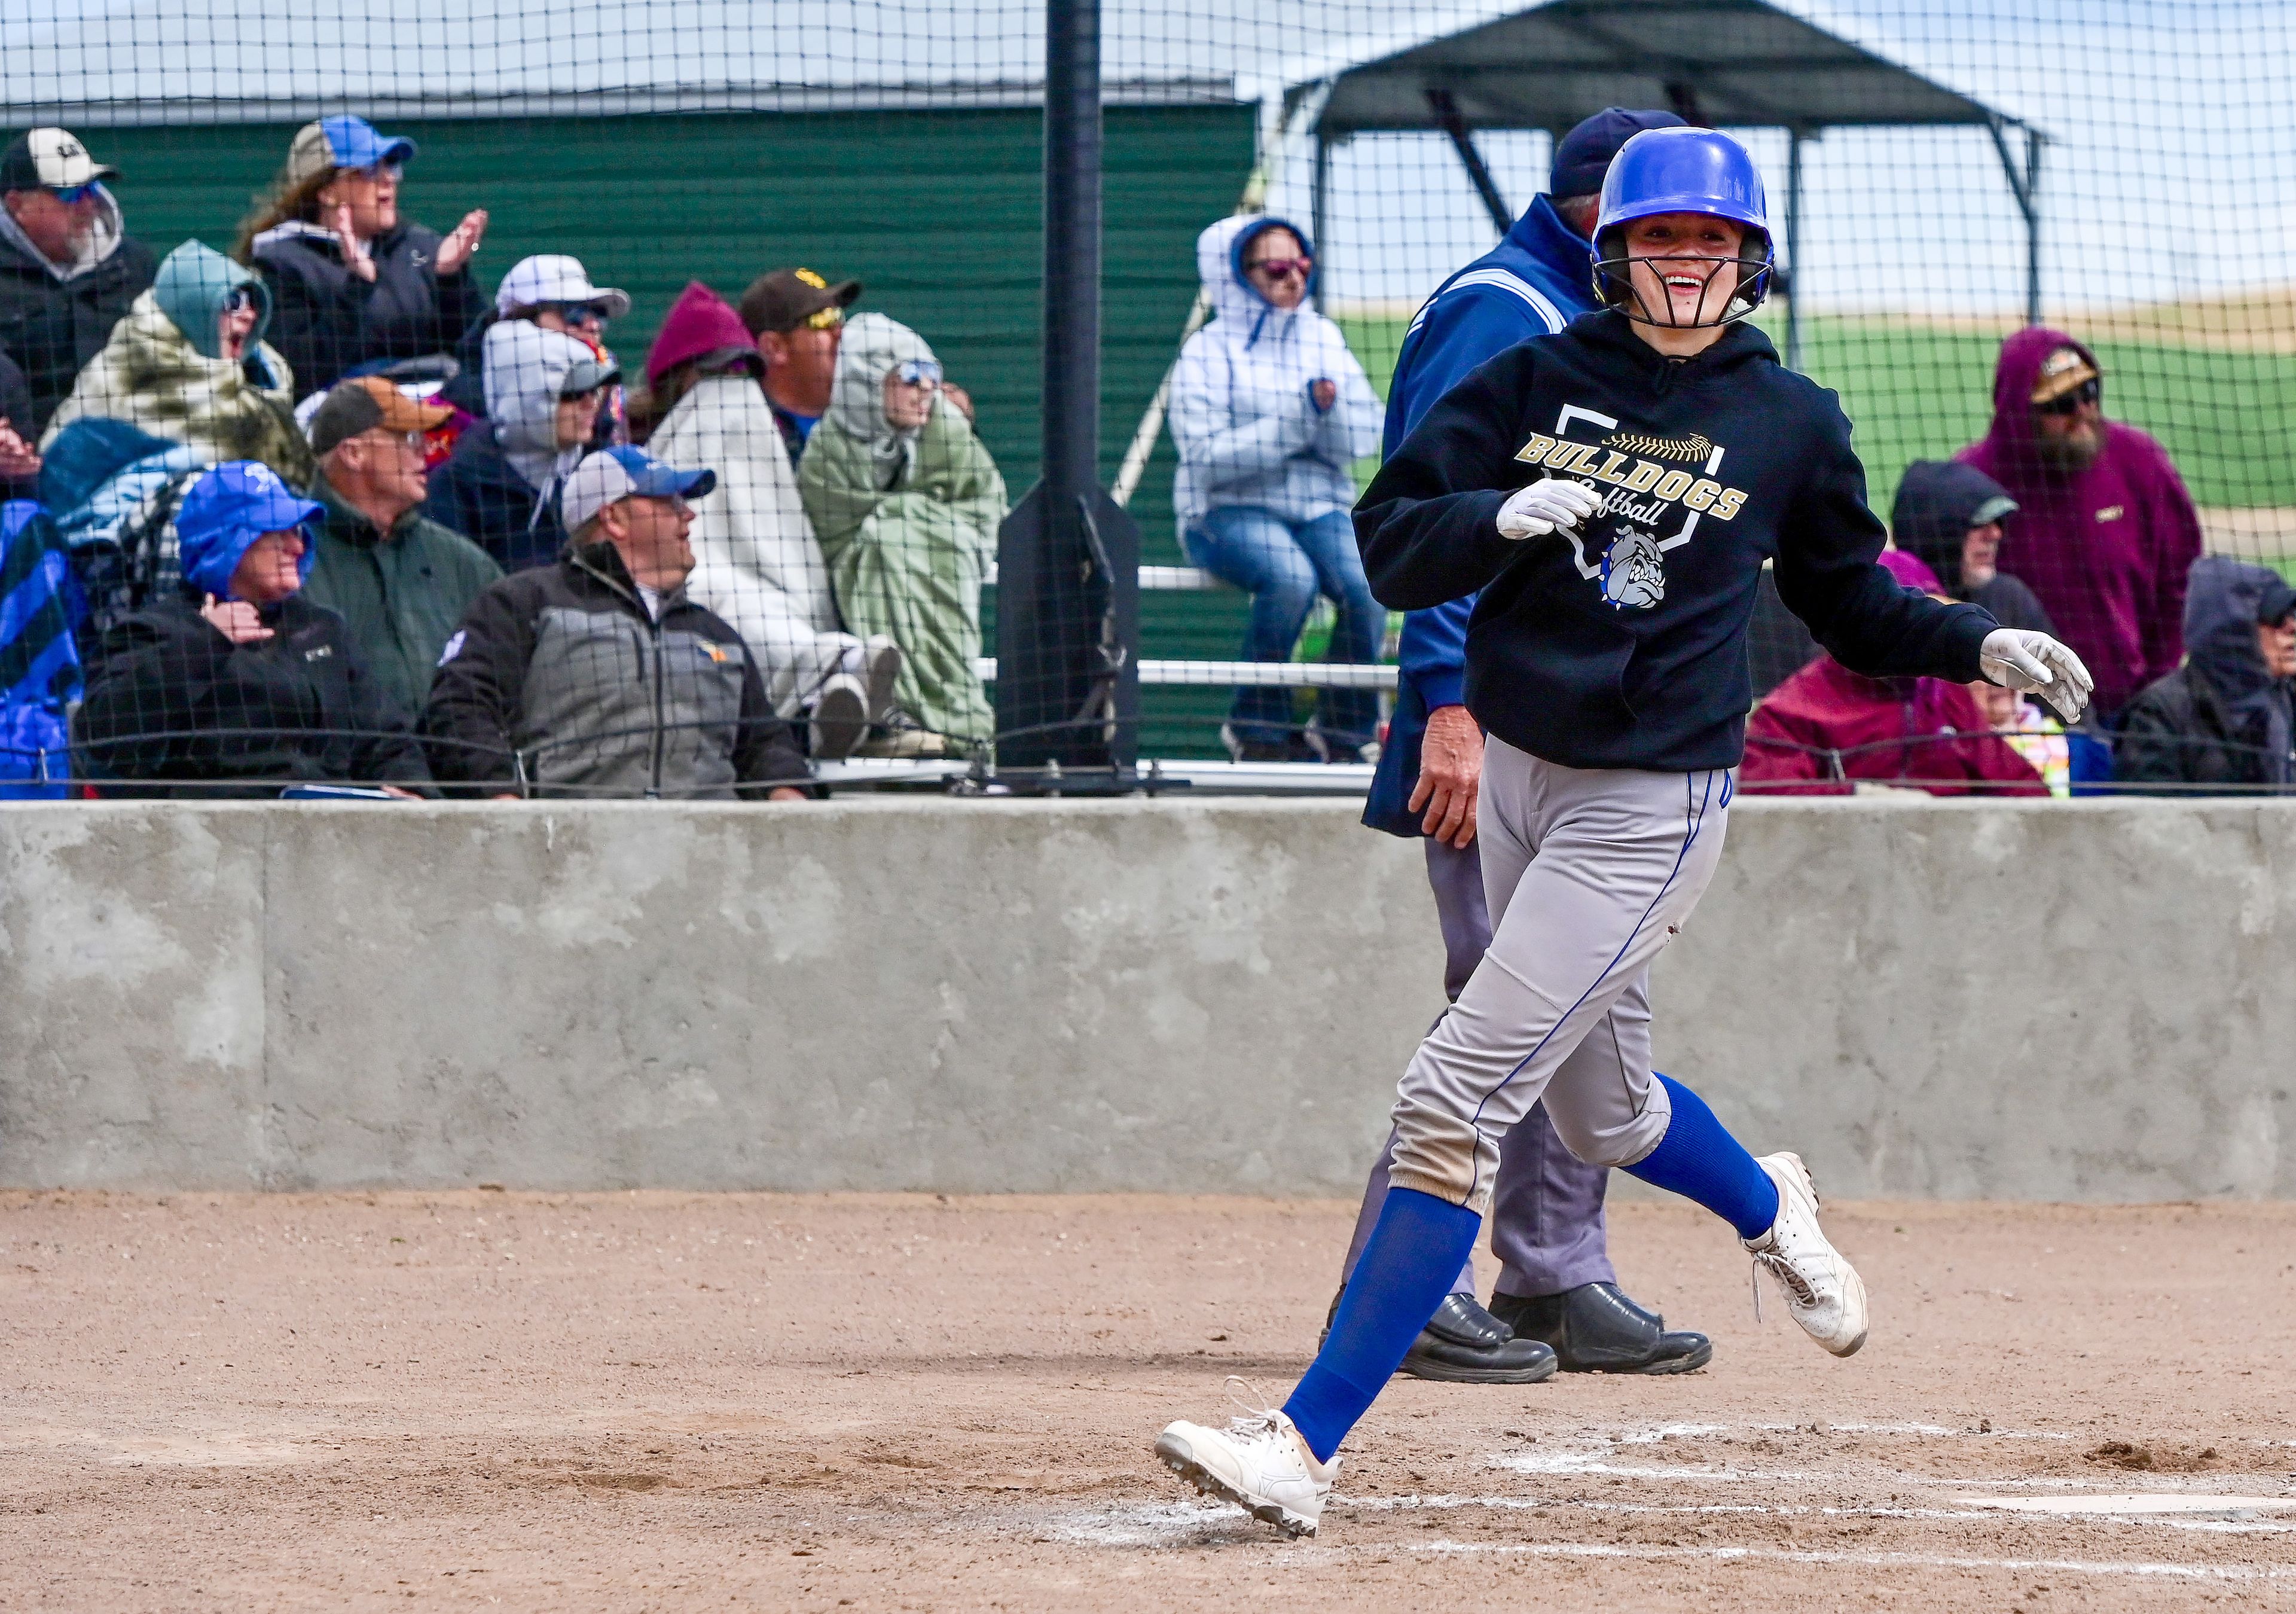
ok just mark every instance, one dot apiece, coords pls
pixel 68 270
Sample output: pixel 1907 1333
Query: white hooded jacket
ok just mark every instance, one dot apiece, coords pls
pixel 1243 413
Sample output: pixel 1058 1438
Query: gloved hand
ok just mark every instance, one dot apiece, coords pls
pixel 1537 510
pixel 2019 658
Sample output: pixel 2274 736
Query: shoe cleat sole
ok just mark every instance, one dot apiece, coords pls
pixel 1451 1372
pixel 1180 1459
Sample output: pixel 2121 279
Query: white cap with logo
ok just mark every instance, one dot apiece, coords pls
pixel 553 277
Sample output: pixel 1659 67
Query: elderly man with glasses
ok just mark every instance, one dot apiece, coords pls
pixel 69 271
pixel 399 580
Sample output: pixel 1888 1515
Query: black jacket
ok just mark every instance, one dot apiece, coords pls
pixel 2179 730
pixel 326 320
pixel 561 665
pixel 1627 648
pixel 53 327
pixel 169 688
pixel 16 410
pixel 479 493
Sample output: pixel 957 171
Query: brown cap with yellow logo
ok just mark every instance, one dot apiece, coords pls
pixel 2061 373
pixel 787 298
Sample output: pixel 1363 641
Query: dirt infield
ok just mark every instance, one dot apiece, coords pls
pixel 670 1401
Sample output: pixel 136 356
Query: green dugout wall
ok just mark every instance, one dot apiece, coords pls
pixel 937 211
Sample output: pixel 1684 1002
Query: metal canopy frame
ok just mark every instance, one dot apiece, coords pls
pixel 1734 63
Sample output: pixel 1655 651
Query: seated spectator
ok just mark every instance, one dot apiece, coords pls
pixel 2030 729
pixel 19 462
pixel 553 292
pixel 1826 727
pixel 68 270
pixel 189 364
pixel 40 661
pixel 905 503
pixel 756 563
pixel 400 581
pixel 2225 718
pixel 1269 413
pixel 598 674
pixel 796 318
pixel 500 487
pixel 1950 516
pixel 239 684
pixel 351 281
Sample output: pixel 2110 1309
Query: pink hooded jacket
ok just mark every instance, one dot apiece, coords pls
pixel 2107 548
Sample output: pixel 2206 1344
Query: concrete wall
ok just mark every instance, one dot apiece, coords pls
pixel 2068 1001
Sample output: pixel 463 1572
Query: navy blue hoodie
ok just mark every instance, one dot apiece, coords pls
pixel 1625 647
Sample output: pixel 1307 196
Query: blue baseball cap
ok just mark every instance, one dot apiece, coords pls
pixel 224 513
pixel 342 142
pixel 611 475
pixel 1583 156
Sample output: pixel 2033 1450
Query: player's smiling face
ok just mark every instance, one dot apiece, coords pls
pixel 1685 265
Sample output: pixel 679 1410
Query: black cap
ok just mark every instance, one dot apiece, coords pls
pixel 1583 156
pixel 50 159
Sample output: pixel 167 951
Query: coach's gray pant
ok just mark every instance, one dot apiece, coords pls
pixel 1587 872
pixel 1546 1213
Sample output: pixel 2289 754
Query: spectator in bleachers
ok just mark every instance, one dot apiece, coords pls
pixel 19 462
pixel 1270 411
pixel 240 685
pixel 905 503
pixel 2225 718
pixel 547 663
pixel 500 489
pixel 1826 727
pixel 2105 531
pixel 796 318
pixel 553 292
pixel 399 580
pixel 352 281
pixel 189 364
pixel 1951 516
pixel 756 562
pixel 68 269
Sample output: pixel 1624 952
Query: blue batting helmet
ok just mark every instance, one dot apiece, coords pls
pixel 1682 170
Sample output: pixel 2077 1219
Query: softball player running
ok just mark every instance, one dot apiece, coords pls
pixel 1613 490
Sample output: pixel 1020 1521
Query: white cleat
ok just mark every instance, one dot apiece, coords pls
pixel 1822 1290
pixel 1259 1463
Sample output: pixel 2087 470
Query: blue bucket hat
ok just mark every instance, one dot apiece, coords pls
pixel 226 511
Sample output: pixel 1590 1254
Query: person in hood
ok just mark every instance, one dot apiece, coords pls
pixel 239 684
pixel 68 270
pixel 757 563
pixel 190 364
pixel 1270 411
pixel 500 487
pixel 2106 534
pixel 2224 720
pixel 1825 726
pixel 1953 517
pixel 1613 490
pixel 353 281
pixel 905 503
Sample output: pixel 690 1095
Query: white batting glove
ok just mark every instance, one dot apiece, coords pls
pixel 1539 509
pixel 2019 658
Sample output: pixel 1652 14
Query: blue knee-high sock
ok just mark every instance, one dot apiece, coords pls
pixel 1405 1269
pixel 1699 1160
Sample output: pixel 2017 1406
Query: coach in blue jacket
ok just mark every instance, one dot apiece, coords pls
pixel 1556 1283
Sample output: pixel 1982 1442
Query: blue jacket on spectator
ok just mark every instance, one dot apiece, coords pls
pixel 1535 282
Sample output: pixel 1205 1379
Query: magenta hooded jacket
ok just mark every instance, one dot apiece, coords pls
pixel 2107 548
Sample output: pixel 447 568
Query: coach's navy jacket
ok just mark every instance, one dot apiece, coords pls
pixel 1625 647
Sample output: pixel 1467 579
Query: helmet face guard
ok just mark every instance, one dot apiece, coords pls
pixel 1614 286
pixel 1682 170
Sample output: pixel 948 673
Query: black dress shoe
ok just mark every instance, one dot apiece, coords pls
pixel 1595 1328
pixel 1463 1344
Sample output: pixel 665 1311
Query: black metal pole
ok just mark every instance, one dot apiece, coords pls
pixel 1072 160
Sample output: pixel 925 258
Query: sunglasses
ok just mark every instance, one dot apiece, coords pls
pixel 2087 392
pixel 71 194
pixel 576 314
pixel 239 299
pixel 917 373
pixel 1279 268
pixel 377 172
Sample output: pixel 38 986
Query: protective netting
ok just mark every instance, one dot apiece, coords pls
pixel 548 263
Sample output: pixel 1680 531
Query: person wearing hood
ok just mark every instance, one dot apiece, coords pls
pixel 500 487
pixel 189 364
pixel 905 503
pixel 239 684
pixel 1952 517
pixel 2223 720
pixel 1269 412
pixel 2106 534
pixel 68 270
pixel 352 281
pixel 757 563
pixel 1825 726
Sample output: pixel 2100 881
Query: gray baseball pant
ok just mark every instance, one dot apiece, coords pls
pixel 1547 1210
pixel 1588 873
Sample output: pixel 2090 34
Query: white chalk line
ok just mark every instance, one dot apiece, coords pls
pixel 1880 1561
pixel 2197 1503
